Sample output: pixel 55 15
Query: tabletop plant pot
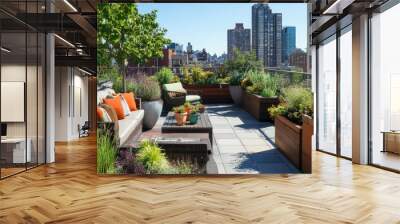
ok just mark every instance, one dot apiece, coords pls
pixel 180 118
pixel 188 107
pixel 152 111
pixel 180 115
pixel 194 116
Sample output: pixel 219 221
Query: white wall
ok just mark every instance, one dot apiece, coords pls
pixel 71 102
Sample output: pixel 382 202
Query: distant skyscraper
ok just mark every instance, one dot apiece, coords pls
pixel 267 35
pixel 189 48
pixel 238 38
pixel 288 42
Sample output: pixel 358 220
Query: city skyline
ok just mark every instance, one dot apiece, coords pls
pixel 197 23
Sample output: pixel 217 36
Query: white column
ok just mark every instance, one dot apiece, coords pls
pixel 360 89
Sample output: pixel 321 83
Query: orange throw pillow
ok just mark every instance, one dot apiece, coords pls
pixel 115 103
pixel 99 113
pixel 130 100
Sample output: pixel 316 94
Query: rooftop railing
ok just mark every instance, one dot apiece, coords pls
pixel 288 77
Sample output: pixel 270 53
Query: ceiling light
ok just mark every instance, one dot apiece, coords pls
pixel 84 71
pixel 65 41
pixel 70 5
pixel 5 50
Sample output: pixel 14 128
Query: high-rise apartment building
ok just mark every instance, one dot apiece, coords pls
pixel 288 42
pixel 238 38
pixel 267 35
pixel 298 59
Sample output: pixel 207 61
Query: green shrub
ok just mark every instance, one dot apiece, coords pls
pixel 268 93
pixel 152 158
pixel 165 76
pixel 197 76
pixel 275 111
pixel 155 161
pixel 260 83
pixel 297 79
pixel 298 101
pixel 299 98
pixel 186 76
pixel 111 74
pixel 243 62
pixel 148 89
pixel 179 168
pixel 131 87
pixel 106 153
pixel 118 85
pixel 235 78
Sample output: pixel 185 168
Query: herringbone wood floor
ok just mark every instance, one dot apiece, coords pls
pixel 69 191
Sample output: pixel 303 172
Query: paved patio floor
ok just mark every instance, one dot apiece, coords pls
pixel 242 145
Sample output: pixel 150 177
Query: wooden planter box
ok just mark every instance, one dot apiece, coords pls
pixel 215 93
pixel 258 106
pixel 295 141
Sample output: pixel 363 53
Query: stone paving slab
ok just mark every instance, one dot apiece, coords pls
pixel 232 149
pixel 244 145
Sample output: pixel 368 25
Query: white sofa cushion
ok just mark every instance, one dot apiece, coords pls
pixel 192 98
pixel 102 94
pixel 128 125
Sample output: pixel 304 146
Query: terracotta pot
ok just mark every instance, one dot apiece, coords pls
pixel 180 118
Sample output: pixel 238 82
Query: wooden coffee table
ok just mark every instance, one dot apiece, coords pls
pixel 203 125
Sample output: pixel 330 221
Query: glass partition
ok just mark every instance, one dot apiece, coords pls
pixel 385 89
pixel 22 91
pixel 326 101
pixel 14 153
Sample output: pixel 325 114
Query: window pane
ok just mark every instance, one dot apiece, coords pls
pixel 385 84
pixel 327 97
pixel 346 94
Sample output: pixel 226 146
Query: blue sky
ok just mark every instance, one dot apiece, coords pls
pixel 205 25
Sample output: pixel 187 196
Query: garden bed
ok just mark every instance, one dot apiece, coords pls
pixel 211 93
pixel 258 106
pixel 294 141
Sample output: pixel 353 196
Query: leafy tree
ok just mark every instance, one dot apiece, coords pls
pixel 123 34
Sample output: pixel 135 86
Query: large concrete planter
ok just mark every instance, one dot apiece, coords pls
pixel 236 94
pixel 152 111
pixel 212 93
pixel 294 141
pixel 258 106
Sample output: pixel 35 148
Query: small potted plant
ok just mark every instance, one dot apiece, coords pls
pixel 194 115
pixel 201 108
pixel 180 115
pixel 188 107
